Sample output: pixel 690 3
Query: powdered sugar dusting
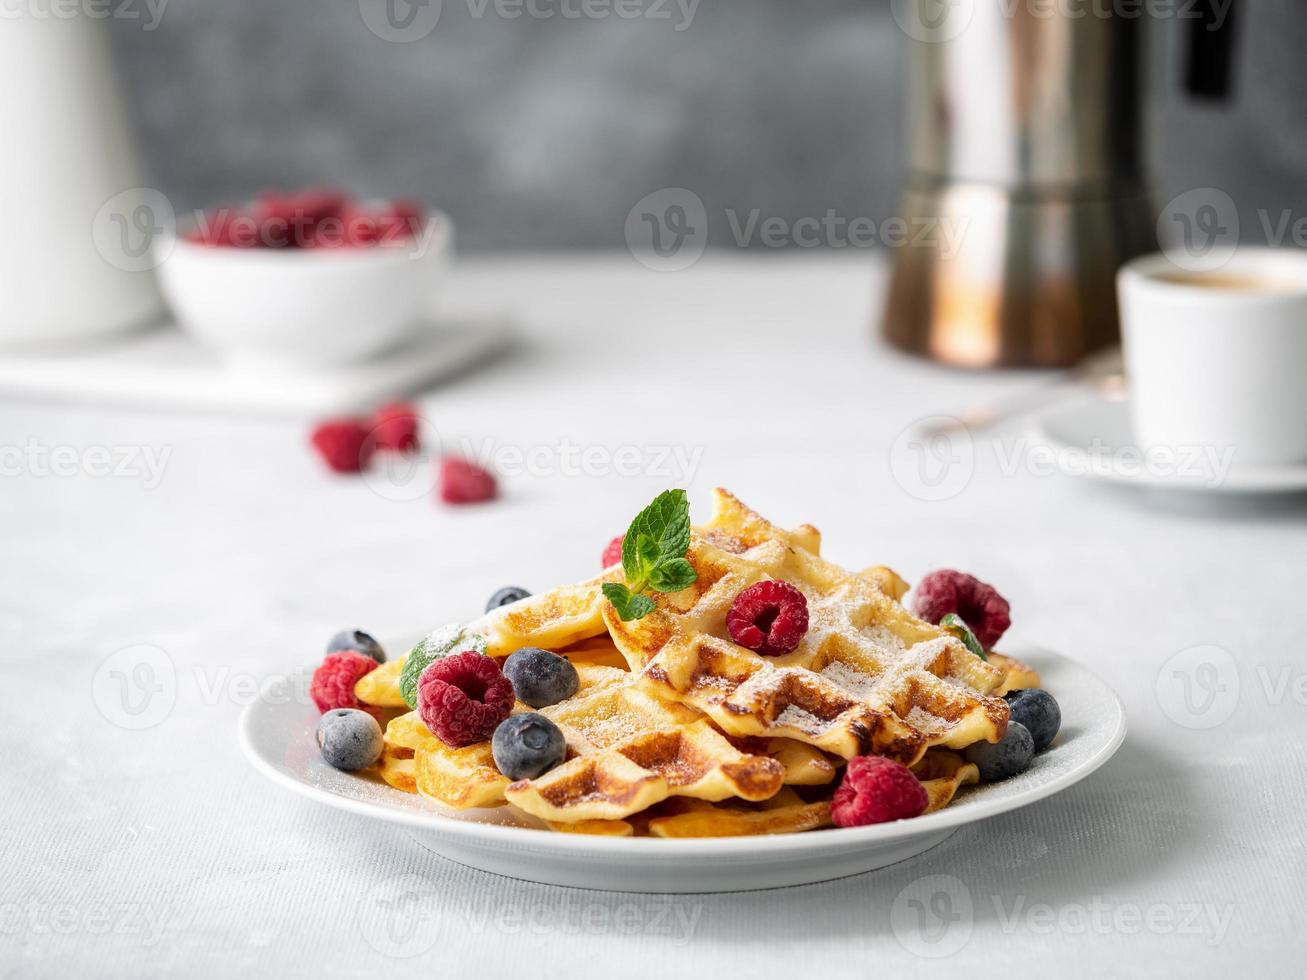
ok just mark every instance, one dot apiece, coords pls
pixel 855 683
pixel 795 717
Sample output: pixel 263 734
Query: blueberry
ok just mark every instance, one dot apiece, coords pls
pixel 527 746
pixel 1038 711
pixel 1006 758
pixel 350 739
pixel 541 678
pixel 359 641
pixel 510 593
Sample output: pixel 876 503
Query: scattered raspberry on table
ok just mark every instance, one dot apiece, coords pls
pixel 395 427
pixel 463 482
pixel 343 445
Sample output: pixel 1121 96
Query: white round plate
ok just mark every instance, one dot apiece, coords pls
pixel 1093 438
pixel 279 740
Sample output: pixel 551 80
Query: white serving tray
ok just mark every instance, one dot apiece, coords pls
pixel 165 368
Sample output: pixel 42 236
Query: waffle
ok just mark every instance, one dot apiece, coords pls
pixel 867 678
pixel 786 813
pixel 626 751
pixel 416 761
pixel 632 750
pixel 400 740
pixel 1016 675
pixel 552 620
pixel 675 731
pixel 380 687
pixel 943 773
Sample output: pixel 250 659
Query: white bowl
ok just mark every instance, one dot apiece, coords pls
pixel 303 308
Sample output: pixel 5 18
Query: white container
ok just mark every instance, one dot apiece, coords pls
pixel 74 259
pixel 304 308
pixel 1217 360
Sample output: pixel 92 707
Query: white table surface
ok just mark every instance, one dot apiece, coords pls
pixel 160 852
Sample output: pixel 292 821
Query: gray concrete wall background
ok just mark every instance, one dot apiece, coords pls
pixel 544 132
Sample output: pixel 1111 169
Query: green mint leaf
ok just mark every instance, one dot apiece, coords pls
pixel 955 625
pixel 653 555
pixel 630 558
pixel 673 575
pixel 639 607
pixel 647 554
pixel 629 606
pixel 667 523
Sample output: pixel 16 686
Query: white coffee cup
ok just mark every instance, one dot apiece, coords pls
pixel 1217 360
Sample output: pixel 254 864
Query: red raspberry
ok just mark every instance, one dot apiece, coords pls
pixel 613 553
pixel 396 427
pixel 877 790
pixel 333 682
pixel 979 605
pixel 463 698
pixel 463 482
pixel 291 220
pixel 769 616
pixel 343 445
pixel 360 228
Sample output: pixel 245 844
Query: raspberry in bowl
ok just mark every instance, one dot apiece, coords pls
pixel 304 280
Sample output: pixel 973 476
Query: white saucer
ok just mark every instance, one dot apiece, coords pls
pixel 1093 438
pixel 278 737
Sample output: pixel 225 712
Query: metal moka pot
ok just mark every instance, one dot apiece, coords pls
pixel 1027 186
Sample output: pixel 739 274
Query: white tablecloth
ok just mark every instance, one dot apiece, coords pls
pixel 158 851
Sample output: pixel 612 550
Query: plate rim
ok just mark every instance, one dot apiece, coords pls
pixel 1261 478
pixel 474 833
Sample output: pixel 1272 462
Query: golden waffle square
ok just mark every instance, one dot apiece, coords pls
pixel 632 750
pixel 867 678
pixel 550 620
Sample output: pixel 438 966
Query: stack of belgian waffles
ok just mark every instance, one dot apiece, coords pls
pixel 676 731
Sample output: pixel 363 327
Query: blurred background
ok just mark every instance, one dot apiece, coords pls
pixel 541 132
pixel 1006 158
